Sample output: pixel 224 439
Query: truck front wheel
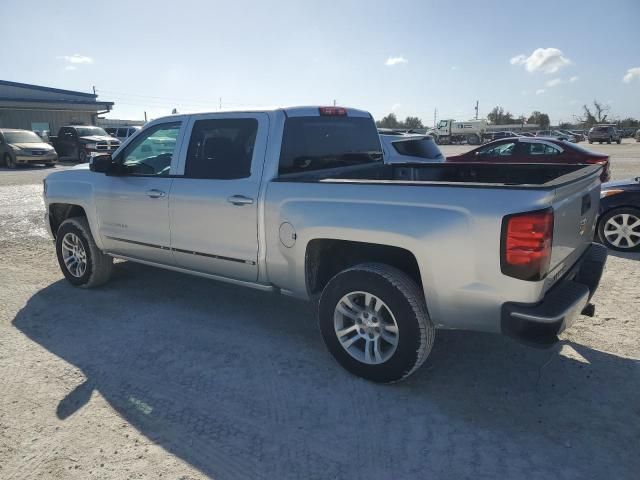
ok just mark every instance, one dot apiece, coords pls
pixel 81 261
pixel 374 321
pixel 82 156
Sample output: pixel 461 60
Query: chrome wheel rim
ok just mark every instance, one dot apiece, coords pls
pixel 74 255
pixel 623 230
pixel 366 328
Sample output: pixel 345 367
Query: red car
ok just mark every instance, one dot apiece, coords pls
pixel 533 150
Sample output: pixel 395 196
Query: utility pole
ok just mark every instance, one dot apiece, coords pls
pixel 477 102
pixel 94 89
pixel 334 102
pixel 220 103
pixel 435 115
pixel 145 117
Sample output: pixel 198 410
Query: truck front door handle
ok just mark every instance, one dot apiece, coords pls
pixel 155 193
pixel 240 200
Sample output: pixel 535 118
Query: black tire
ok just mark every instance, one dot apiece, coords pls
pixel 8 161
pixel 590 142
pixel 609 141
pixel 602 225
pixel 403 297
pixel 82 156
pixel 619 141
pixel 49 165
pixel 99 266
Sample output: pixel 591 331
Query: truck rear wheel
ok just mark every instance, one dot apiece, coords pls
pixel 374 321
pixel 81 261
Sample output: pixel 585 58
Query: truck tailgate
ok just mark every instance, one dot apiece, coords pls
pixel 575 207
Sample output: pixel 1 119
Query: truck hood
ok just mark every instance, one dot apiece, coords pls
pixel 33 146
pixel 99 138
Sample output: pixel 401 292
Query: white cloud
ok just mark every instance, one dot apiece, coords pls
pixel 70 67
pixel 391 61
pixel 546 60
pixel 573 79
pixel 631 74
pixel 554 82
pixel 76 59
pixel 540 91
pixel 395 106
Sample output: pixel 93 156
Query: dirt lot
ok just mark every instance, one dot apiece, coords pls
pixel 160 375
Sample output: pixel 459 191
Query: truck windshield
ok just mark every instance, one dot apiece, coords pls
pixel 22 137
pixel 89 131
pixel 316 143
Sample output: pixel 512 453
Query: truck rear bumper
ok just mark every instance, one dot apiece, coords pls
pixel 539 324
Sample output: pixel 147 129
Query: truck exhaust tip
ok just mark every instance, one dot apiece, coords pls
pixel 589 310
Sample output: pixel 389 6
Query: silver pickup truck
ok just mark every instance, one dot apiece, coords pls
pixel 299 201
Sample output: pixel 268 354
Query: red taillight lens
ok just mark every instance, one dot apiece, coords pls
pixel 597 160
pixel 333 111
pixel 526 244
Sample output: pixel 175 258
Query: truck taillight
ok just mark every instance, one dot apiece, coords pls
pixel 333 111
pixel 526 244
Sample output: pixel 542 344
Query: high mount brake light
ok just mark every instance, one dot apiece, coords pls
pixel 526 244
pixel 333 111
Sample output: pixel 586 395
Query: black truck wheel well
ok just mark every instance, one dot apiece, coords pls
pixel 59 212
pixel 325 258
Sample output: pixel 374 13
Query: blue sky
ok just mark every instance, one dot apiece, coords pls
pixel 405 56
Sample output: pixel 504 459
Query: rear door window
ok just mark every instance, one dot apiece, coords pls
pixel 316 143
pixel 221 149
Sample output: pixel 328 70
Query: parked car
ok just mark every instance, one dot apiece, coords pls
pixel 638 135
pixel 121 133
pixel 79 141
pixel 557 134
pixel 619 221
pixel 410 148
pixel 534 150
pixel 604 133
pixel 527 134
pixel 490 136
pixel 578 136
pixel 299 201
pixel 23 147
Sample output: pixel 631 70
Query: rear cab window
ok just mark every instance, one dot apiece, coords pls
pixel 311 143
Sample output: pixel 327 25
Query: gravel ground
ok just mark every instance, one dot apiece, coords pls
pixel 161 375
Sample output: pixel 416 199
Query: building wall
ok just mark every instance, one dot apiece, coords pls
pixel 14 118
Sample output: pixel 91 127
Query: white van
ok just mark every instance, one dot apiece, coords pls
pixel 121 133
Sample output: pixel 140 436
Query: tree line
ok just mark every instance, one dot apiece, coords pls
pixel 591 115
pixel 391 121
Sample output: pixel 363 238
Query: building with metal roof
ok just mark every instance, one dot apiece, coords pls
pixel 38 108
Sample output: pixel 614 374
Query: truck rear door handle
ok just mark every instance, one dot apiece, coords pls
pixel 240 200
pixel 155 193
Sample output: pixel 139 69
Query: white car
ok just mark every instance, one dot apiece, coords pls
pixel 409 148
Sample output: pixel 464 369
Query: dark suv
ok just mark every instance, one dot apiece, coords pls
pixel 604 133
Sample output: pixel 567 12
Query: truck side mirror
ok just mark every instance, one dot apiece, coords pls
pixel 100 163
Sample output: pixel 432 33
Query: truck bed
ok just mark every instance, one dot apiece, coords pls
pixel 521 175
